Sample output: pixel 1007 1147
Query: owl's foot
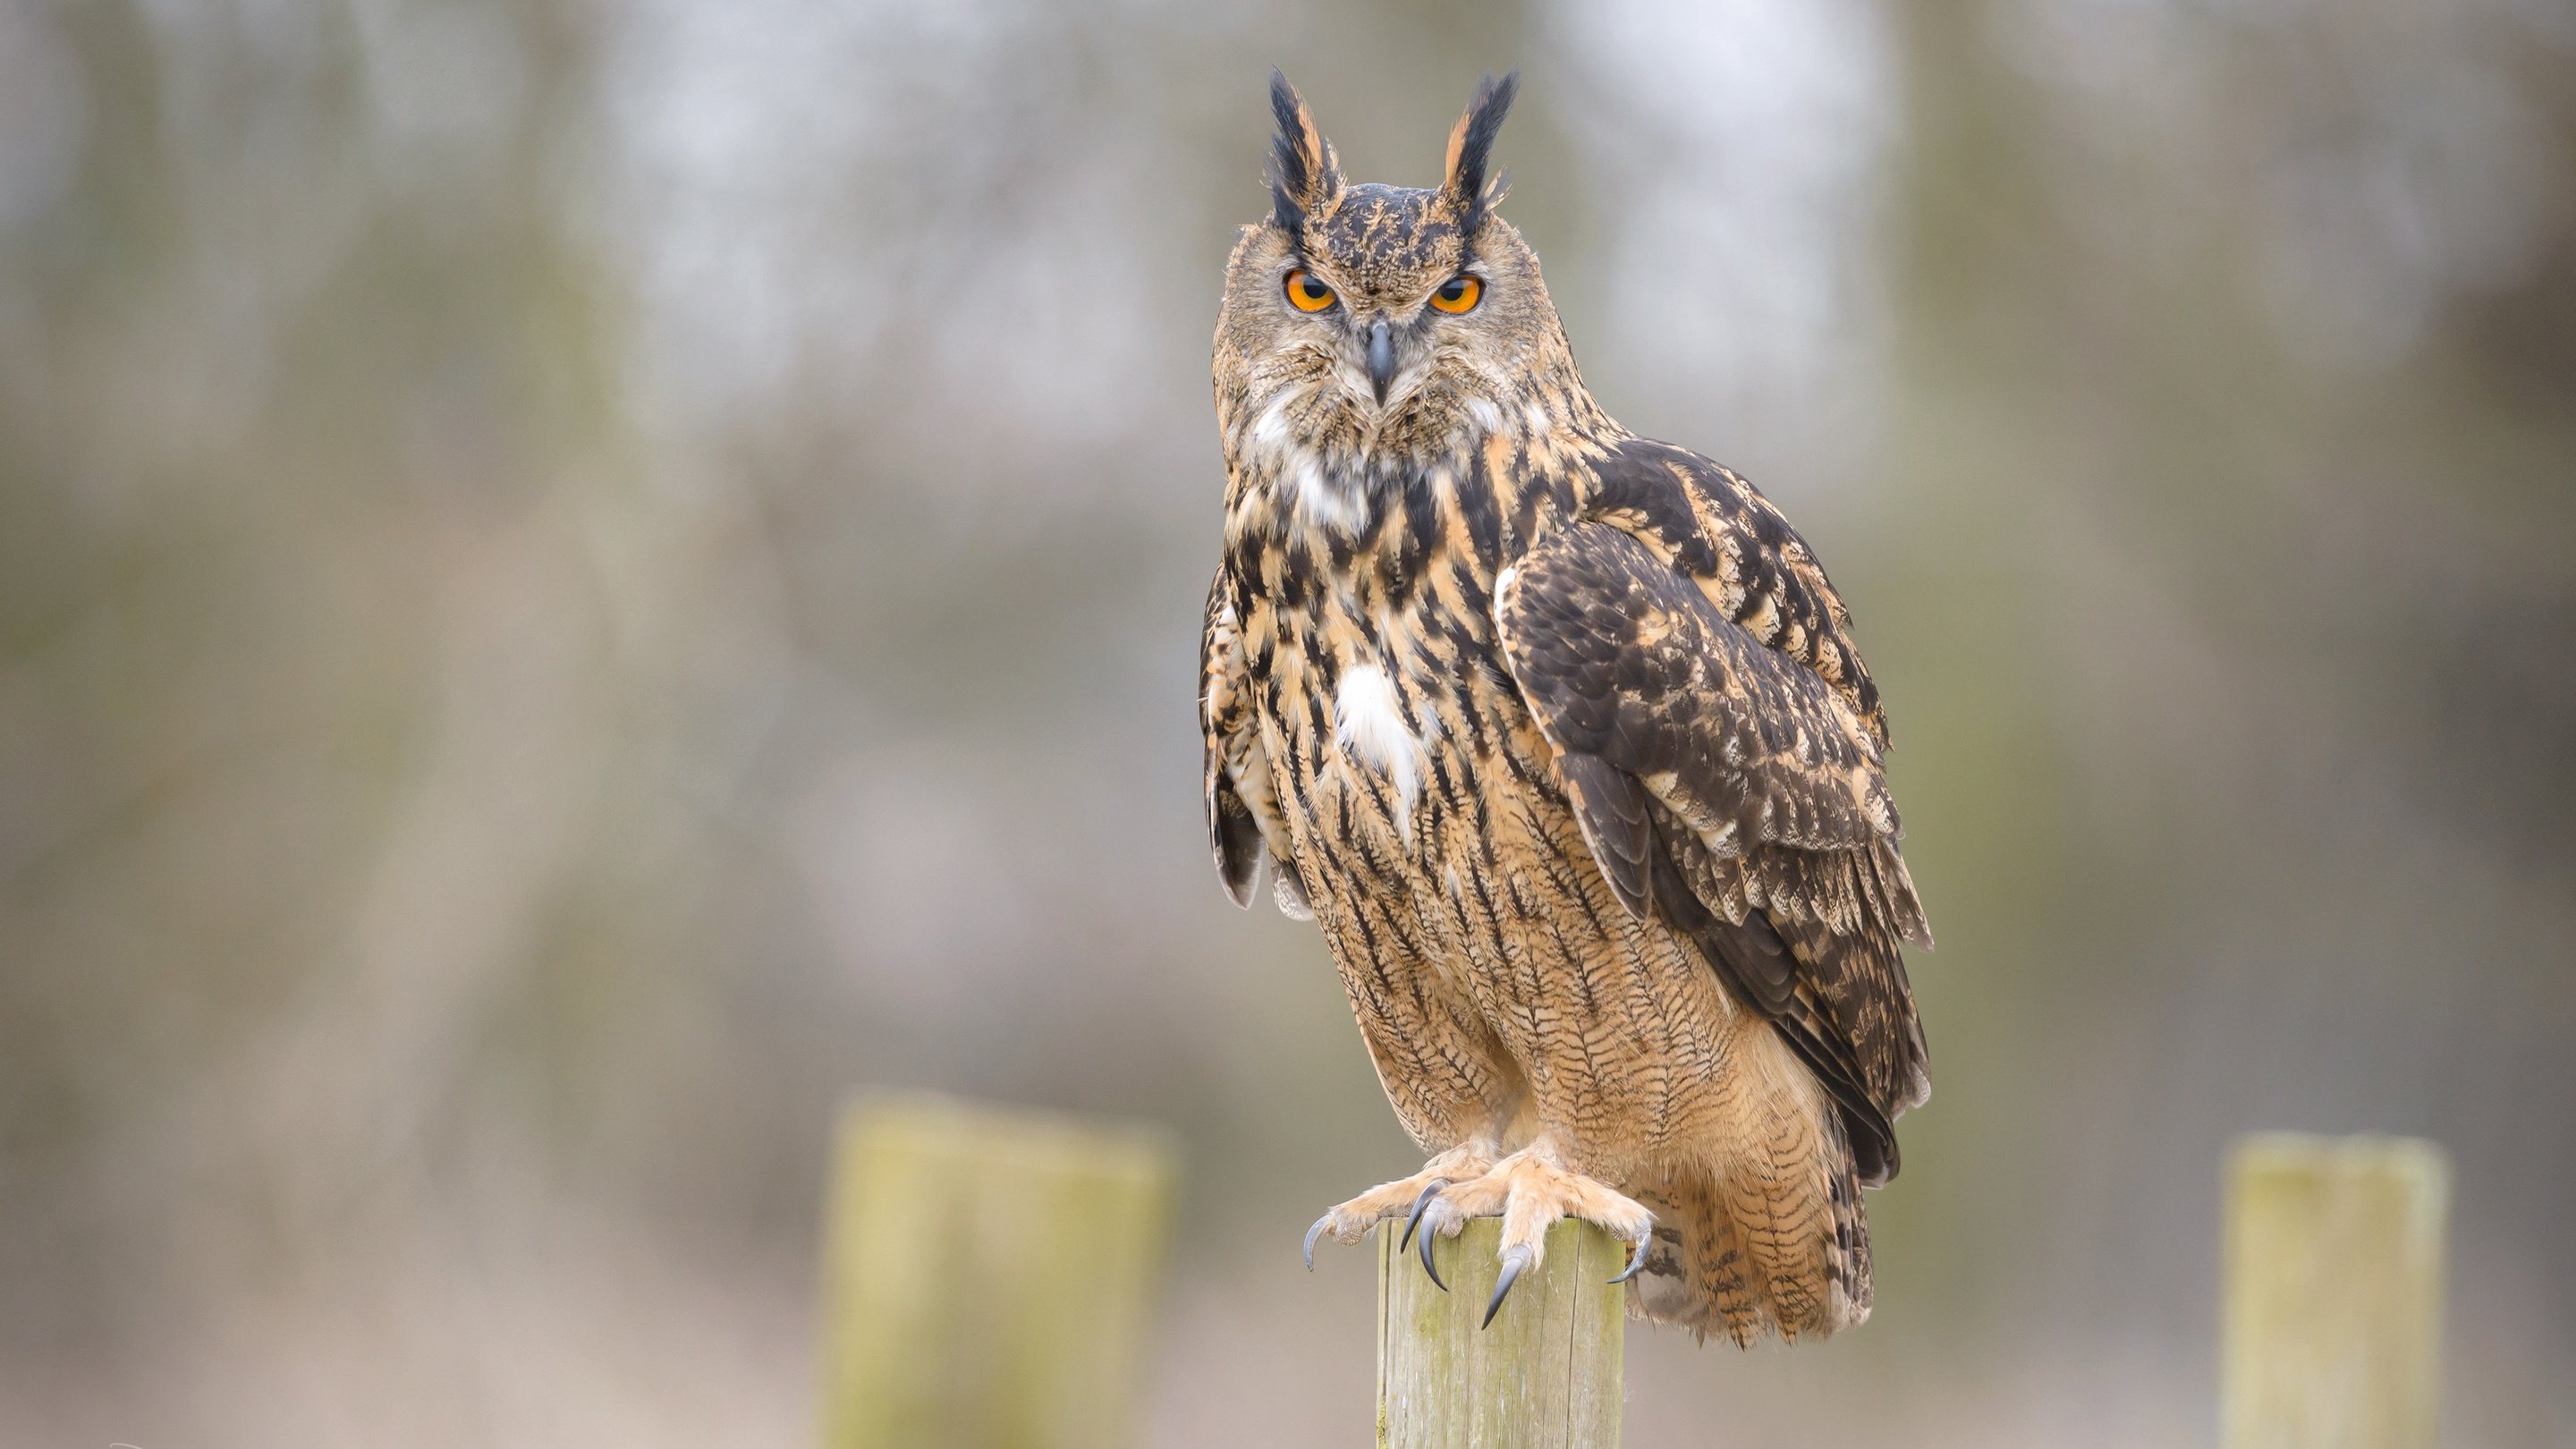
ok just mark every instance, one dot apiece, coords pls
pixel 1404 1197
pixel 1530 1191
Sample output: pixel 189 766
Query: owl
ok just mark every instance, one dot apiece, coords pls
pixel 1560 737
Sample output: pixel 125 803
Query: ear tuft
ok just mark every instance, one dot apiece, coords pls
pixel 1471 144
pixel 1305 177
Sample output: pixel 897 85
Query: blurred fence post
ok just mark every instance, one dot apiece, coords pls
pixel 988 1277
pixel 1544 1376
pixel 2334 1293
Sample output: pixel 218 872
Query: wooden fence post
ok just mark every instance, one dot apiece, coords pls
pixel 2334 1293
pixel 1544 1376
pixel 988 1277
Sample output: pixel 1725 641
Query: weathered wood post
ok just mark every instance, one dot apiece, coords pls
pixel 2334 1293
pixel 988 1277
pixel 1544 1376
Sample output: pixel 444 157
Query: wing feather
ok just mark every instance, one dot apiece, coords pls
pixel 1621 659
pixel 1612 808
pixel 1242 803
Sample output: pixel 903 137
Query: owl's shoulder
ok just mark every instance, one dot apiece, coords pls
pixel 1718 530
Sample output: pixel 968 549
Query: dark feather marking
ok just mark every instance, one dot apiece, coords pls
pixel 1610 806
pixel 1554 924
pixel 1484 521
pixel 1421 535
pixel 1318 722
pixel 1525 507
pixel 1440 779
pixel 1296 576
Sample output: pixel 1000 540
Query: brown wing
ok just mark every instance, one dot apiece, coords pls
pixel 1721 533
pixel 1243 819
pixel 1731 790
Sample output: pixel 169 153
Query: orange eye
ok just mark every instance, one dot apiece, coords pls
pixel 1458 294
pixel 1307 294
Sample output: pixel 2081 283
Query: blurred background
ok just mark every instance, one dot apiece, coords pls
pixel 578 580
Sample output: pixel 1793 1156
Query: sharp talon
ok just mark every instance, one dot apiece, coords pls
pixel 1638 1262
pixel 1414 1217
pixel 1312 1234
pixel 1515 1263
pixel 1427 1236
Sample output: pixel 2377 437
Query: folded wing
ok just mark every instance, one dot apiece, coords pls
pixel 1242 812
pixel 1727 788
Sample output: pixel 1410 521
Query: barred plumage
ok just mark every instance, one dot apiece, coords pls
pixel 1560 736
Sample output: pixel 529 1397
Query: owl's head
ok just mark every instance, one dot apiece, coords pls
pixel 1373 320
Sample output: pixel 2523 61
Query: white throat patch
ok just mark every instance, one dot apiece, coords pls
pixel 1315 493
pixel 1320 498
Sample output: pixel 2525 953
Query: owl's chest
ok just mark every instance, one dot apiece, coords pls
pixel 1389 713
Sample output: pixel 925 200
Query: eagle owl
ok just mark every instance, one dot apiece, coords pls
pixel 1559 735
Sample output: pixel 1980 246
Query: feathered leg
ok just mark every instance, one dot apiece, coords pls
pixel 1770 1236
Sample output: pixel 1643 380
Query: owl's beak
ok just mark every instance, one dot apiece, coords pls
pixel 1381 359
